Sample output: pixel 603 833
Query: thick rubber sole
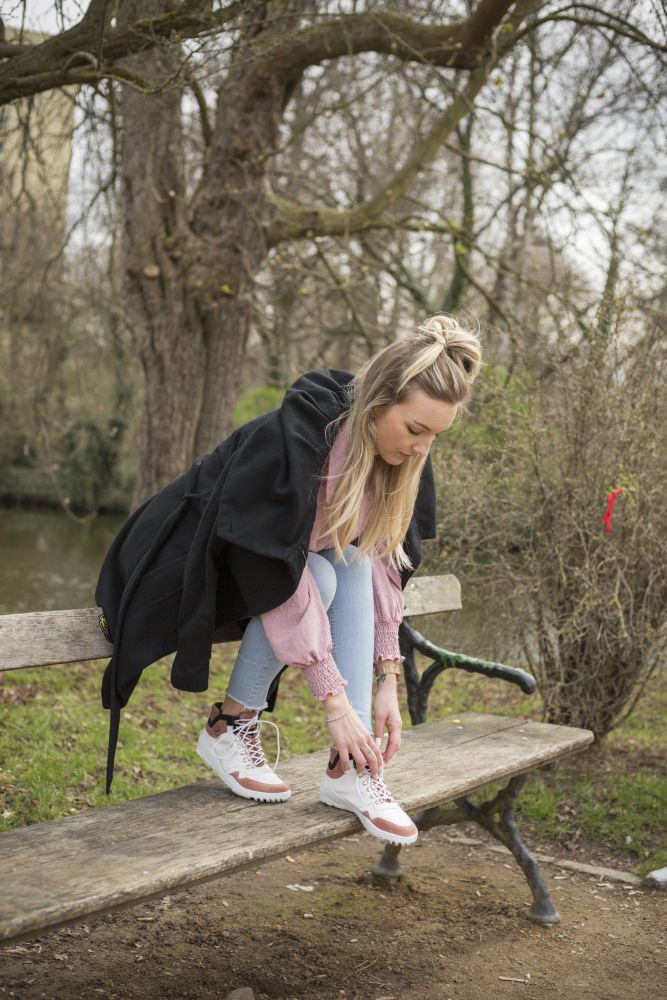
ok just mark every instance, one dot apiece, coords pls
pixel 390 838
pixel 234 786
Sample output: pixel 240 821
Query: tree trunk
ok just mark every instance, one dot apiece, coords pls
pixel 190 269
pixel 189 273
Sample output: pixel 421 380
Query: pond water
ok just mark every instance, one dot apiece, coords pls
pixel 49 561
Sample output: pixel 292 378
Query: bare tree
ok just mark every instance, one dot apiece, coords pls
pixel 197 233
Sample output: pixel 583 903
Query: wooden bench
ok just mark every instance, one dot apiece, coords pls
pixel 96 861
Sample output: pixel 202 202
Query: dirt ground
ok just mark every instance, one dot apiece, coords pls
pixel 314 927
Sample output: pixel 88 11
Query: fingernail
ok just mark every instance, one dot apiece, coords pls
pixel 378 741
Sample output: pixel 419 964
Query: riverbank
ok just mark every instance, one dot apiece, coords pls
pixel 39 488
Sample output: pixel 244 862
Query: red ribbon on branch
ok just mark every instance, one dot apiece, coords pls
pixel 611 500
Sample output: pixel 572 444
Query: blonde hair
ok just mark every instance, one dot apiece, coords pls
pixel 442 359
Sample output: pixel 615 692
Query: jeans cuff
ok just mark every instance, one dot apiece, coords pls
pixel 241 701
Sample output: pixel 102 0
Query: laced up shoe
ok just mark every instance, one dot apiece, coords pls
pixel 370 800
pixel 237 757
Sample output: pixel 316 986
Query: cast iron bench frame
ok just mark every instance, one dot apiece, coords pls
pixel 62 637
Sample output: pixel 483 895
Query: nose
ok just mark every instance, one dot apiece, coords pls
pixel 422 449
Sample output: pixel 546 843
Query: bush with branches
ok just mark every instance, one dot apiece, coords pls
pixel 525 488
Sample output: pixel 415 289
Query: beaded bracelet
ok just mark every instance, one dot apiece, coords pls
pixel 335 718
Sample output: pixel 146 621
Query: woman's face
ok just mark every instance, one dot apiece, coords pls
pixel 409 428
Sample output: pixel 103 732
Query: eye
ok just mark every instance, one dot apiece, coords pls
pixel 416 433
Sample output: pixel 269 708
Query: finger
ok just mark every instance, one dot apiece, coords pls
pixel 375 759
pixel 378 755
pixel 393 744
pixel 344 754
pixel 374 764
pixel 360 758
pixel 379 728
pixel 371 755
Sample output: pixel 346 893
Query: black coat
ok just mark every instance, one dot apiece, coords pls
pixel 225 541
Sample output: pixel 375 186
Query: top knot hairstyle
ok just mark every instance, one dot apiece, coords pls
pixel 442 359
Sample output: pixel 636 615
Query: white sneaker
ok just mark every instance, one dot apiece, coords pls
pixel 238 760
pixel 370 800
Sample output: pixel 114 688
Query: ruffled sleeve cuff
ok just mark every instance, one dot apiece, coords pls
pixel 324 678
pixel 386 642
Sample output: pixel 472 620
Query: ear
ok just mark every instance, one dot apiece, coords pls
pixel 378 410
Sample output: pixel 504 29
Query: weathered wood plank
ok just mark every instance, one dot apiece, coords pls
pixel 46 637
pixel 88 864
pixel 425 595
pixel 43 637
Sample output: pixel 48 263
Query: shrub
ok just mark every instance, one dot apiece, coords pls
pixel 525 491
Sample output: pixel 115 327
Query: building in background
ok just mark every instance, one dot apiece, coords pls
pixel 35 155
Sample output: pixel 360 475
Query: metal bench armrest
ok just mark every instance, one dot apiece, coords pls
pixel 445 658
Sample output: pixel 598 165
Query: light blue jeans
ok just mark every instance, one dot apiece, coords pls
pixel 347 594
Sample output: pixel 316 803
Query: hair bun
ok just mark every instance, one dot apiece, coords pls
pixel 435 328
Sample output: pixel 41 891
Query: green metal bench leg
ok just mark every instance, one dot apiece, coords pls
pixel 497 816
pixel 388 866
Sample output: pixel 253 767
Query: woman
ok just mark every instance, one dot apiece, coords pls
pixel 300 530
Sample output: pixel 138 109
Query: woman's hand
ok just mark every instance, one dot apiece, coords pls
pixel 350 736
pixel 388 715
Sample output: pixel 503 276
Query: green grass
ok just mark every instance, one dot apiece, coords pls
pixel 54 732
pixel 613 810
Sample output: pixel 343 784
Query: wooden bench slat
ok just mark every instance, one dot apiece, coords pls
pixel 88 864
pixel 44 637
pixel 426 595
pixel 41 638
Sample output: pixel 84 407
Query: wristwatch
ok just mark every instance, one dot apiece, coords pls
pixel 387 667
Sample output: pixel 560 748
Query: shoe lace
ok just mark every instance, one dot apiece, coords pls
pixel 376 787
pixel 247 731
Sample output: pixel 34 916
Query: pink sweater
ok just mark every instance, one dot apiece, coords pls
pixel 298 630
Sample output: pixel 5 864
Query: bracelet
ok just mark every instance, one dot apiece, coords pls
pixel 381 670
pixel 335 718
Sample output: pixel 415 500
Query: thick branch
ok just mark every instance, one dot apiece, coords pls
pixel 458 45
pixel 9 50
pixel 93 42
pixel 294 221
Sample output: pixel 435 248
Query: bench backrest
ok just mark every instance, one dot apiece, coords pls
pixel 41 638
